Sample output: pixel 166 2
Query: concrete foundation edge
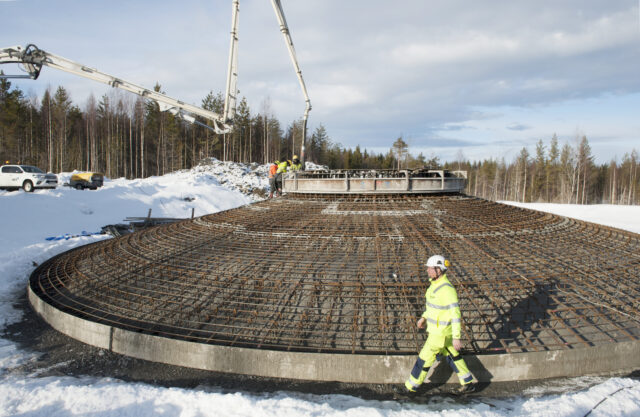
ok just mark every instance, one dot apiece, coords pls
pixel 371 369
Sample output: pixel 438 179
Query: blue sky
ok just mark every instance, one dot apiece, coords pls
pixel 482 78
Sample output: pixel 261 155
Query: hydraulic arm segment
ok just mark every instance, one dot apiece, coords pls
pixel 284 28
pixel 33 59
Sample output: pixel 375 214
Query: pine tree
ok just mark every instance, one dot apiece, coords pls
pixel 522 175
pixel 540 175
pixel 60 110
pixel 585 162
pixel 567 169
pixel 214 143
pixel 356 159
pixel 419 162
pixel 11 106
pixel 552 171
pixel 400 150
pixel 47 127
pixel 319 145
pixel 239 137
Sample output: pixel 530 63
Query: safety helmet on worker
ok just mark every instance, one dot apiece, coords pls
pixel 438 261
pixel 295 158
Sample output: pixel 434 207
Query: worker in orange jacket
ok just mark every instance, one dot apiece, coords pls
pixel 273 168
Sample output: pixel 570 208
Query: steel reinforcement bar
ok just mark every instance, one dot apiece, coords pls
pixel 345 274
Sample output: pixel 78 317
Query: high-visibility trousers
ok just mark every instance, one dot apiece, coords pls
pixel 436 347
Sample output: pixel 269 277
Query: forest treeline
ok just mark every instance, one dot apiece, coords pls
pixel 555 174
pixel 124 136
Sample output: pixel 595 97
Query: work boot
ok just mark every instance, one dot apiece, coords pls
pixel 401 391
pixel 466 389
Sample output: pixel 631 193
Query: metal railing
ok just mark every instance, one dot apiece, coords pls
pixel 375 181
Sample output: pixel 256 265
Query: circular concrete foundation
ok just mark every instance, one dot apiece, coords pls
pixel 366 369
pixel 329 288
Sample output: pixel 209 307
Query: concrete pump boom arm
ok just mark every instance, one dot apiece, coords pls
pixel 231 96
pixel 284 28
pixel 33 59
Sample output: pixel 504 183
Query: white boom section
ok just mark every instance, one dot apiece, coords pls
pixel 231 96
pixel 284 28
pixel 33 58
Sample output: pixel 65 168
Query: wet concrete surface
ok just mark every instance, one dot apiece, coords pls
pixel 59 355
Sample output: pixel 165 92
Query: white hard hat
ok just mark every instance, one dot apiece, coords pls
pixel 438 261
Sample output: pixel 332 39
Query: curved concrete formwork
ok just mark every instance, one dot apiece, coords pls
pixel 329 288
pixel 366 369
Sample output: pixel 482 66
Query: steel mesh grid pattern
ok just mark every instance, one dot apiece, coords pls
pixel 316 273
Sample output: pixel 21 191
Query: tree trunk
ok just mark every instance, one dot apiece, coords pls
pixel 524 186
pixel 50 138
pixel 142 147
pixel 584 185
pixel 632 184
pixel 613 185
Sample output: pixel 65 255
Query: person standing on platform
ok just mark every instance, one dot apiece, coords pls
pixel 296 165
pixel 272 178
pixel 282 168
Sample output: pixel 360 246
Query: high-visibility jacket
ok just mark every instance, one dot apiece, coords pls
pixel 296 167
pixel 282 167
pixel 442 310
pixel 272 170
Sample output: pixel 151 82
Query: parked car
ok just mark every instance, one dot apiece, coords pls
pixel 82 180
pixel 26 177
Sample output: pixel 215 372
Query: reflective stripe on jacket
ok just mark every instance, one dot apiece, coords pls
pixel 442 310
pixel 282 167
pixel 296 167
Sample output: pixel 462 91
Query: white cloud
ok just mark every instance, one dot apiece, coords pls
pixel 472 47
pixel 339 96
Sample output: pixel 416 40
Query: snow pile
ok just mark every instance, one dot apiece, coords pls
pixel 29 218
pixel 251 180
pixel 310 166
pixel 33 217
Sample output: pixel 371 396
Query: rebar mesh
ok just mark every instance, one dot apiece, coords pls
pixel 345 273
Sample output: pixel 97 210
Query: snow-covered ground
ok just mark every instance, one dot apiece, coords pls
pixel 621 217
pixel 72 217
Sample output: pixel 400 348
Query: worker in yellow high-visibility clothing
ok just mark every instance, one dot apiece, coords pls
pixel 282 168
pixel 296 165
pixel 442 316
